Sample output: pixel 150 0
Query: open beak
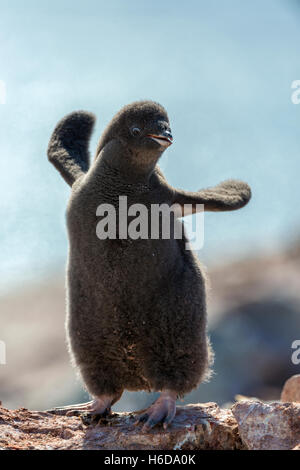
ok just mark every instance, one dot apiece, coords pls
pixel 163 140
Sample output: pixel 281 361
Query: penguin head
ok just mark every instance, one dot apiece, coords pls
pixel 142 128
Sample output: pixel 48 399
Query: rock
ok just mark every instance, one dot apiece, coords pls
pixel 291 389
pixel 203 426
pixel 273 426
pixel 250 425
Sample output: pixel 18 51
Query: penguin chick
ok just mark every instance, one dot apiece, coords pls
pixel 136 308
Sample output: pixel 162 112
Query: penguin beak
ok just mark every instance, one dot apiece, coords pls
pixel 165 139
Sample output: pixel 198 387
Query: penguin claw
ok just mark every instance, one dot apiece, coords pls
pixel 144 417
pixel 169 418
pixel 99 407
pixel 150 424
pixel 162 411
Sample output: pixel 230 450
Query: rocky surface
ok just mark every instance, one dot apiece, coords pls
pixel 248 424
pixel 272 426
pixel 195 427
pixel 252 425
pixel 291 389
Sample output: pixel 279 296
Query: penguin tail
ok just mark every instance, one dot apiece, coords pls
pixel 68 149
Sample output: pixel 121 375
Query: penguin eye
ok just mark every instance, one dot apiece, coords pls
pixel 135 131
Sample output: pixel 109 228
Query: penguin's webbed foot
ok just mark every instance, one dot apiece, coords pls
pixel 100 406
pixel 162 411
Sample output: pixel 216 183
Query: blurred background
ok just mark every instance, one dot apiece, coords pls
pixel 223 70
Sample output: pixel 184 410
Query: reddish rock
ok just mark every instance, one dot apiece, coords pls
pixel 195 427
pixel 291 389
pixel 273 426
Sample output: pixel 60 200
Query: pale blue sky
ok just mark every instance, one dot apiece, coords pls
pixel 222 69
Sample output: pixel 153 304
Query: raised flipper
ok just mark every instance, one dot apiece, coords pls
pixel 68 148
pixel 227 196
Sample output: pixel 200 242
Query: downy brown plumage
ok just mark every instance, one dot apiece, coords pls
pixel 136 310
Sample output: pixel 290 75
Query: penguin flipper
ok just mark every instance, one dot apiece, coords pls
pixel 68 149
pixel 229 195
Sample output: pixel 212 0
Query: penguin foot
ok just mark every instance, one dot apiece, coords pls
pixel 162 411
pixel 100 406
